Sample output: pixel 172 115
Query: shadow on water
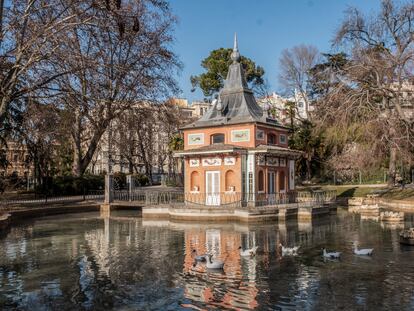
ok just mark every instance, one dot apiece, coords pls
pixel 89 262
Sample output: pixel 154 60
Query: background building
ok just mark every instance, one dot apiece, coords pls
pixel 280 106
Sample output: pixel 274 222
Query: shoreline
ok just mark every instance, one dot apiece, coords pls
pixel 8 217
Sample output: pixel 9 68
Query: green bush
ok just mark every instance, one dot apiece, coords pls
pixel 71 185
pixel 143 180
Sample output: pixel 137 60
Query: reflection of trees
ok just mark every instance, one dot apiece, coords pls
pixel 85 262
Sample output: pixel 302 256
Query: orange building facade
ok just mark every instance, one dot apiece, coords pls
pixel 236 151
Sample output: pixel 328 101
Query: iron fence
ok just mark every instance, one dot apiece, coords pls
pixel 228 199
pixel 96 195
pixel 263 199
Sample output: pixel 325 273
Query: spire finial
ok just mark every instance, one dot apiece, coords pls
pixel 235 47
pixel 235 55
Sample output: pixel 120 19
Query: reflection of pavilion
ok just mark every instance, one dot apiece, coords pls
pixel 239 274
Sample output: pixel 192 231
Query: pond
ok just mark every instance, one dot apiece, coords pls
pixel 88 262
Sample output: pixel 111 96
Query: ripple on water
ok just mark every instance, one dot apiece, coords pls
pixel 87 262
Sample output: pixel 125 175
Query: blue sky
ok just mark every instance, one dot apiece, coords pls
pixel 264 28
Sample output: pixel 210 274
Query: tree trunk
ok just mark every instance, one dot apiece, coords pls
pixel 392 166
pixel 81 163
pixel 77 145
pixel 308 169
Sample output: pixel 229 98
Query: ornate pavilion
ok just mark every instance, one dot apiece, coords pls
pixel 236 151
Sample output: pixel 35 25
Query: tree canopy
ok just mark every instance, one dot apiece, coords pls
pixel 217 65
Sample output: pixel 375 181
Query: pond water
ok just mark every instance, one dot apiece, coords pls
pixel 88 262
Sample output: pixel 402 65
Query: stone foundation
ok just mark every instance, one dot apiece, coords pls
pixel 283 212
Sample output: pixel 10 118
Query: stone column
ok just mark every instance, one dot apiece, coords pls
pixel 251 180
pixel 109 181
pixel 129 185
pixel 291 174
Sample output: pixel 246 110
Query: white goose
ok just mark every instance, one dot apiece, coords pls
pixel 214 264
pixel 331 255
pixel 286 251
pixel 201 258
pixel 248 252
pixel 363 251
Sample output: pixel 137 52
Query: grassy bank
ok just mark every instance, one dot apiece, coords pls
pixel 362 191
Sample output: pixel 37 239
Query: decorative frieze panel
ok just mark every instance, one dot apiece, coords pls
pixel 271 161
pixel 211 162
pixel 229 161
pixel 196 139
pixel 240 135
pixel 194 162
pixel 260 159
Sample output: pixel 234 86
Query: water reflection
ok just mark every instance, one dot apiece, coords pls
pixel 101 262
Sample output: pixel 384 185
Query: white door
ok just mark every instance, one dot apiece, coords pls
pixel 213 188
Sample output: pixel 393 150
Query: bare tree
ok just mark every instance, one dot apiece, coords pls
pixel 295 65
pixel 121 57
pixel 31 32
pixel 38 135
pixel 381 65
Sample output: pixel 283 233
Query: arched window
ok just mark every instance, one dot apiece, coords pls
pixel 195 181
pixel 230 181
pixel 260 178
pixel 271 139
pixel 217 139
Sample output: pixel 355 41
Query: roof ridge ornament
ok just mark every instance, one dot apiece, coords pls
pixel 235 55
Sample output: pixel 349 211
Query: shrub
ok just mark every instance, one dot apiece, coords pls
pixel 143 180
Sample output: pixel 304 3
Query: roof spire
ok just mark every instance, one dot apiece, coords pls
pixel 235 47
pixel 235 55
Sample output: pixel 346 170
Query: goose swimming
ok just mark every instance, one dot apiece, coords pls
pixel 248 252
pixel 214 264
pixel 363 251
pixel 331 255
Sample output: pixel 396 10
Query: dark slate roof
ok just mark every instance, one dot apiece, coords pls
pixel 236 103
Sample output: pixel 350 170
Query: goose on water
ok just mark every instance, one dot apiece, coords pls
pixel 289 250
pixel 248 252
pixel 214 264
pixel 331 255
pixel 201 258
pixel 363 251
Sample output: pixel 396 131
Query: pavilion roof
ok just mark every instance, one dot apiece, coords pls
pixel 236 103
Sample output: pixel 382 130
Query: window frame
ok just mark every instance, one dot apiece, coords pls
pixel 212 136
pixel 274 136
pixel 284 141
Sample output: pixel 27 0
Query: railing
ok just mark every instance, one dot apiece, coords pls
pixel 263 199
pixel 228 199
pixel 164 197
pixel 317 197
pixel 96 195
pixel 148 197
